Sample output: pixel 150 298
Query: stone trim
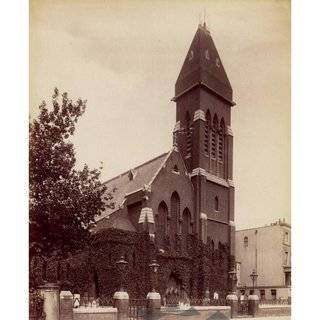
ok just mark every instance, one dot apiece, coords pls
pixel 199 115
pixel 229 131
pixel 90 310
pixel 132 192
pixel 211 177
pixel 232 224
pixel 203 216
pixel 153 295
pixel 121 295
pixel 176 126
pixel 146 215
pixel 231 183
pixel 162 165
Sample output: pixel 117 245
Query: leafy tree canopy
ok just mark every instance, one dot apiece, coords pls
pixel 64 201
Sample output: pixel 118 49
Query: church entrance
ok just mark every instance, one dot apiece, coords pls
pixel 175 292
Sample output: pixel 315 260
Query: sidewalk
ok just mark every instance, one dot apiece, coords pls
pixel 265 318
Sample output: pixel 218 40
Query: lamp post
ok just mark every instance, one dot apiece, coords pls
pixel 253 277
pixel 122 266
pixel 154 266
pixel 233 278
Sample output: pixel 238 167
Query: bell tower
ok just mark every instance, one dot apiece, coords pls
pixel 203 135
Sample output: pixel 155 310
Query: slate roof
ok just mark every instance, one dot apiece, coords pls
pixel 123 185
pixel 203 65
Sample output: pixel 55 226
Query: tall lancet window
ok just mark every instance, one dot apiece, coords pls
pixel 221 149
pixel 207 133
pixel 214 134
pixel 188 133
pixel 221 142
pixel 175 215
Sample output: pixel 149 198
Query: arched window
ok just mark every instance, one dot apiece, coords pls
pixel 188 133
pixel 186 226
pixel 207 133
pixel 214 136
pixel 221 142
pixel 162 222
pixel 216 203
pixel 174 213
pixel 245 242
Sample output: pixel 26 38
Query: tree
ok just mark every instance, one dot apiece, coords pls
pixel 64 201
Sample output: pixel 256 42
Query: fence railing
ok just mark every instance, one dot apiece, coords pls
pixel 274 301
pixel 137 309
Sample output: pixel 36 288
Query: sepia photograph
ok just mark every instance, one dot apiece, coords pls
pixel 159 159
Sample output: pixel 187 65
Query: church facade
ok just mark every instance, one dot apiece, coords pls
pixel 177 208
pixel 188 190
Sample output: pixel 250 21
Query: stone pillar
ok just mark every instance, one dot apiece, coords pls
pixel 153 305
pixel 253 305
pixel 50 294
pixel 232 301
pixel 66 305
pixel 121 299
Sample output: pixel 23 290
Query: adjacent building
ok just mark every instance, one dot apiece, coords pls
pixel 267 251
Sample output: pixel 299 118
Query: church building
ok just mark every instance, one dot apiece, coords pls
pixel 177 208
pixel 188 190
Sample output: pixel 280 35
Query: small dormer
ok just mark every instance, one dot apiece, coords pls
pixel 132 174
pixel 175 169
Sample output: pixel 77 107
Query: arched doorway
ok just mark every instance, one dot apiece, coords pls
pixel 175 292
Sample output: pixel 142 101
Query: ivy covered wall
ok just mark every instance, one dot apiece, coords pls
pixel 197 266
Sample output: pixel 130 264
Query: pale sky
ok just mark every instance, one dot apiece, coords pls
pixel 124 58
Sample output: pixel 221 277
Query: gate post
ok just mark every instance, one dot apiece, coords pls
pixel 153 305
pixel 66 305
pixel 121 299
pixel 232 301
pixel 253 305
pixel 50 294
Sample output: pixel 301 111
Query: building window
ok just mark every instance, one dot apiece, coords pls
pixel 162 222
pixel 286 258
pixel 175 212
pixel 273 294
pixel 188 133
pixel 207 133
pixel 262 294
pixel 251 291
pixel 221 142
pixel 286 237
pixel 216 203
pixel 245 242
pixel 288 279
pixel 176 169
pixel 214 136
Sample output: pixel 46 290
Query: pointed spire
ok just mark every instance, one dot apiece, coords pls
pixel 203 66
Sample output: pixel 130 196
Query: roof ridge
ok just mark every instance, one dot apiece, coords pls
pixel 137 167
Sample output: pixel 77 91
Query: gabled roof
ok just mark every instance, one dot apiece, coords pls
pixel 133 180
pixel 203 66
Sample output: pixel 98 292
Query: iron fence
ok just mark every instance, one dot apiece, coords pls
pixel 137 309
pixel 274 301
pixel 243 307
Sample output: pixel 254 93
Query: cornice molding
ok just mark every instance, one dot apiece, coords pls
pixel 211 177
